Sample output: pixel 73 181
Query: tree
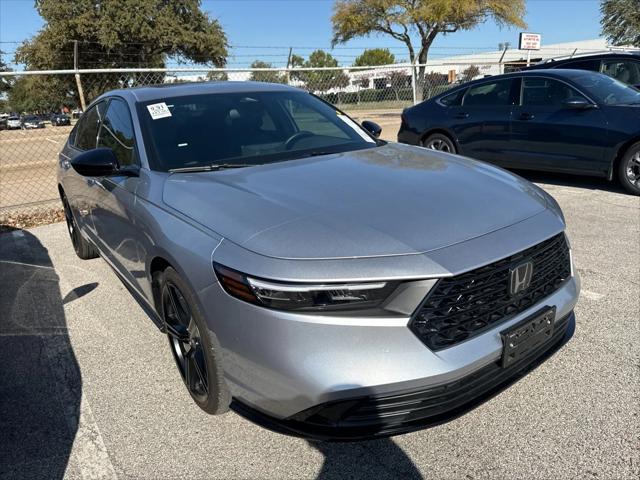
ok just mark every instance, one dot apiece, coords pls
pixel 5 82
pixel 40 94
pixel 122 33
pixel 217 75
pixel 404 19
pixel 265 76
pixel 374 56
pixel 396 81
pixel 322 80
pixel 469 73
pixel 621 21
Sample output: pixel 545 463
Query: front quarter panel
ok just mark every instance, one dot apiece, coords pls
pixel 165 234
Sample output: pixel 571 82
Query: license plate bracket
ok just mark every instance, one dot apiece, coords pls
pixel 523 337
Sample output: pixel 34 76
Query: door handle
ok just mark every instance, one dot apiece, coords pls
pixel 462 115
pixel 94 182
pixel 527 116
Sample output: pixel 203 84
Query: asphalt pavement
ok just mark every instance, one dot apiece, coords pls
pixel 88 388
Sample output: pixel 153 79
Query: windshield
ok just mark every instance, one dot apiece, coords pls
pixel 608 90
pixel 244 129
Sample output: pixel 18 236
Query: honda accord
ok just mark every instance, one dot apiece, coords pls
pixel 308 275
pixel 570 121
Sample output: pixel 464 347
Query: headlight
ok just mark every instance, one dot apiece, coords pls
pixel 303 296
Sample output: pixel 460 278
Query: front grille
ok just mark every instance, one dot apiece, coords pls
pixel 461 307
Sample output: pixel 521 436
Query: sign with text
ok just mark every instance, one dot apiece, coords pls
pixel 530 41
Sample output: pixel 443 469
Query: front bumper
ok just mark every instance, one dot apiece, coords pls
pixel 279 364
pixel 374 416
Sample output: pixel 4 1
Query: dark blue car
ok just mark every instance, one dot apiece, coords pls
pixel 571 121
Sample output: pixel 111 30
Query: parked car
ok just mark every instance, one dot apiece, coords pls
pixel 60 119
pixel 31 121
pixel 316 279
pixel 623 66
pixel 13 122
pixel 556 120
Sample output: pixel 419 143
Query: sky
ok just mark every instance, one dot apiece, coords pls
pixel 265 29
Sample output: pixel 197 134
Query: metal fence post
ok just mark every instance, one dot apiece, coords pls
pixel 414 82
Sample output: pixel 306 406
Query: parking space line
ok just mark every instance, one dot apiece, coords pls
pixel 52 141
pixel 592 295
pixel 26 264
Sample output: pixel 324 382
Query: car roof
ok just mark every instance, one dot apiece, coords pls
pixel 555 73
pixel 547 63
pixel 157 92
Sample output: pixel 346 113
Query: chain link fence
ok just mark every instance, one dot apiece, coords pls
pixel 29 151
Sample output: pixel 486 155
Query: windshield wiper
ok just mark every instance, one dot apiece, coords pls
pixel 209 168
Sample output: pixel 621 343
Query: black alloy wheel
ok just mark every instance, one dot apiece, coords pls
pixel 72 227
pixel 83 248
pixel 185 342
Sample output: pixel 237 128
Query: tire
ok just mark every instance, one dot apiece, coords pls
pixel 195 348
pixel 439 142
pixel 83 248
pixel 629 169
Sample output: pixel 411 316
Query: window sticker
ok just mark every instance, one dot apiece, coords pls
pixel 356 127
pixel 159 110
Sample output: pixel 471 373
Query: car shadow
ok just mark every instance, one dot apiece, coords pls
pixel 40 382
pixel 568 180
pixel 375 459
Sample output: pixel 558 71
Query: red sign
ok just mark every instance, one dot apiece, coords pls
pixel 530 41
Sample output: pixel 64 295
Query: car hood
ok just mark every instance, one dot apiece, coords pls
pixel 389 200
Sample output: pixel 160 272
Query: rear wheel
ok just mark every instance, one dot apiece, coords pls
pixel 194 349
pixel 440 142
pixel 81 245
pixel 629 169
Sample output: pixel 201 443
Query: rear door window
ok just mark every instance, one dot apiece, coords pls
pixel 489 94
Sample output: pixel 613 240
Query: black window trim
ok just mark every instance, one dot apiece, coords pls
pixel 547 77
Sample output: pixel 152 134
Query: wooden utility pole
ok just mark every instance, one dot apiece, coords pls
pixel 83 104
pixel 287 76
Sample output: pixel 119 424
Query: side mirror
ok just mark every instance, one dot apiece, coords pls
pixel 577 103
pixel 98 162
pixel 372 127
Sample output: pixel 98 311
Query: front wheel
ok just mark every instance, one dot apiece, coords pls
pixel 193 347
pixel 629 169
pixel 440 142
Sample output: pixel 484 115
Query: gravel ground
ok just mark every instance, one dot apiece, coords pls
pixel 88 388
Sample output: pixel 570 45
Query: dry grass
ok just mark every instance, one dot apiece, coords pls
pixel 15 221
